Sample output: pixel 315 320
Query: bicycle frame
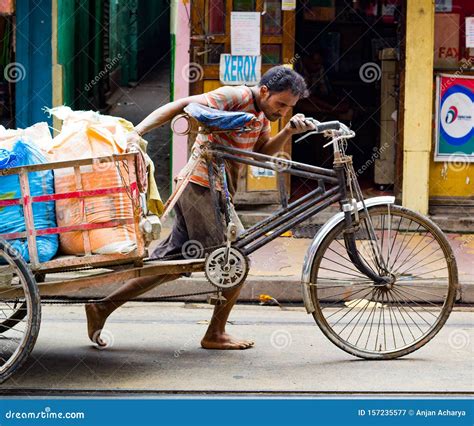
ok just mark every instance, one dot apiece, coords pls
pixel 289 214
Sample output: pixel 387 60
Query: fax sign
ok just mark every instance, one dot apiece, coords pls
pixel 237 69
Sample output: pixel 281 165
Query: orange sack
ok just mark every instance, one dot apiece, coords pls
pixel 90 135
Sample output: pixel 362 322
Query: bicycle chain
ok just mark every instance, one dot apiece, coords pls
pixel 152 299
pixel 147 260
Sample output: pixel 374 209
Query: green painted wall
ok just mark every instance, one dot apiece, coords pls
pixel 80 52
pixel 138 38
pixel 66 30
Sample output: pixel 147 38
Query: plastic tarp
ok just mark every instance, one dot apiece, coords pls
pixel 22 153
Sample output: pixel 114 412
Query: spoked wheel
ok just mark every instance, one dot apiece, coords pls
pixel 389 320
pixel 11 316
pixel 20 311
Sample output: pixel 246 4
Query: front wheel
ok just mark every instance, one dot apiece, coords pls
pixel 20 311
pixel 384 321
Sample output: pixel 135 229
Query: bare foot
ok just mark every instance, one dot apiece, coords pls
pixel 95 323
pixel 224 341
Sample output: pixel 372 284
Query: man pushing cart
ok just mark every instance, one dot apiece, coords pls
pixel 276 94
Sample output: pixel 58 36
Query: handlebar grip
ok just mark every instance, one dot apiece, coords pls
pixel 321 127
pixel 328 125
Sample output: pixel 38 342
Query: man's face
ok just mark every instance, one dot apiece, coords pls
pixel 276 104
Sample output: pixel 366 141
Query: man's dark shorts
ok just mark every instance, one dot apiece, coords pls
pixel 194 229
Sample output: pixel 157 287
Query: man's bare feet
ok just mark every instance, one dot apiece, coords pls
pixel 95 323
pixel 225 341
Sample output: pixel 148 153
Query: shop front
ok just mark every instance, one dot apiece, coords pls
pixel 347 53
pixel 451 185
pixel 369 64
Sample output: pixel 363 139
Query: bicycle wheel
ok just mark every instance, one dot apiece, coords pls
pixel 384 321
pixel 20 311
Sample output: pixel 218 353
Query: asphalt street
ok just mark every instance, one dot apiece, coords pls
pixel 154 348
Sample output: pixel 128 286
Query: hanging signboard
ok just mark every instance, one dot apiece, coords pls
pixel 454 120
pixel 245 33
pixel 240 69
pixel 288 5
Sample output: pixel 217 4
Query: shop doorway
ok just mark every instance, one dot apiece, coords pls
pixel 349 52
pixel 210 37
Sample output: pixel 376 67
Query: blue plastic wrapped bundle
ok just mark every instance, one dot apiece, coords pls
pixel 214 118
pixel 41 182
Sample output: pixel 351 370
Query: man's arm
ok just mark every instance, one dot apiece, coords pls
pixel 273 145
pixel 166 112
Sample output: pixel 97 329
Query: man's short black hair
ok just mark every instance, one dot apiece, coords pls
pixel 281 78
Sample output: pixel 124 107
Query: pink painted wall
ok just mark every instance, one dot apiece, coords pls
pixel 181 84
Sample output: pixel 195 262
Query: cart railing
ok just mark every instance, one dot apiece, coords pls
pixel 129 186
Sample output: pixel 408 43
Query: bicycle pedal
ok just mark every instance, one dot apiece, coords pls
pixel 216 300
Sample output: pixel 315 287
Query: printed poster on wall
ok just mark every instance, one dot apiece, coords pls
pixel 470 31
pixel 245 33
pixel 454 134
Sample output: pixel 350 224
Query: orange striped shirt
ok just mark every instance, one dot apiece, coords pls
pixel 231 98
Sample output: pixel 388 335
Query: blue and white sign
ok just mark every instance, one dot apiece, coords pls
pixel 240 69
pixel 454 118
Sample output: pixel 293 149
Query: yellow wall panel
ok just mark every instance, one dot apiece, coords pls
pixel 258 179
pixel 211 85
pixel 451 179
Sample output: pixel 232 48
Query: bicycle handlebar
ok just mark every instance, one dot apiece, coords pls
pixel 339 129
pixel 321 127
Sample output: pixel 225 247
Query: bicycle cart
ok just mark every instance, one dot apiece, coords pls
pixel 379 279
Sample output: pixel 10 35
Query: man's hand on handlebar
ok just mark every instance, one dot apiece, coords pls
pixel 299 124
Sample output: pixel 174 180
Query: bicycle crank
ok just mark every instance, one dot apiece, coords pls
pixel 226 267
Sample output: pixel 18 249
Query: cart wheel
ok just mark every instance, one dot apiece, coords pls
pixel 20 310
pixel 385 321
